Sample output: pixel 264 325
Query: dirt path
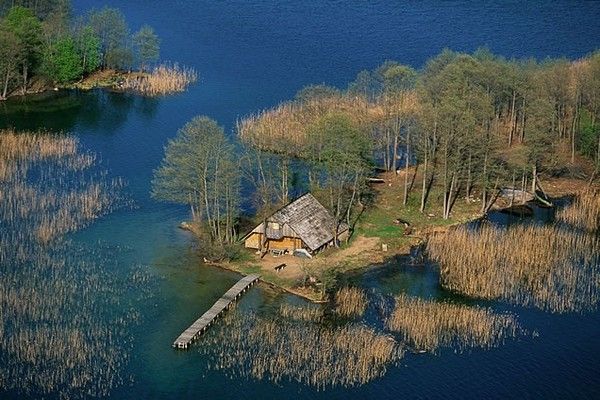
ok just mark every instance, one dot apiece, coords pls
pixel 361 249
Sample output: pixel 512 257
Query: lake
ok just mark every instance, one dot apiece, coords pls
pixel 251 55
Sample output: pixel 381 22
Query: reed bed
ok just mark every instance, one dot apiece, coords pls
pixel 62 333
pixel 64 316
pixel 286 128
pixel 301 313
pixel 350 302
pixel 164 79
pixel 310 354
pixel 548 267
pixel 428 325
pixel 584 212
pixel 48 188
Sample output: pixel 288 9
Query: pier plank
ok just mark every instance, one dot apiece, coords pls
pixel 200 325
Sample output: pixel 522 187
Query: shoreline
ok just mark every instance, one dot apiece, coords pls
pixel 365 250
pixel 109 79
pixel 359 266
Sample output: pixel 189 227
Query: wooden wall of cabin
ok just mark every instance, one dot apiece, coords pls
pixel 253 241
pixel 285 243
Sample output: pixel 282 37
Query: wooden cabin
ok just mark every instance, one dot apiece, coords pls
pixel 302 224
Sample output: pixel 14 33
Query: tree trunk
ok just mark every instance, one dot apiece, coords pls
pixel 192 207
pixel 512 195
pixel 84 62
pixel 445 205
pixel 6 80
pixel 485 184
pixel 448 197
pixel 598 153
pixel 337 222
pixel 395 153
pixel 534 178
pixel 523 187
pixel 468 194
pixel 407 156
pixel 425 162
pixel 387 149
pixel 25 73
pixel 513 120
pixel 522 134
pixel 208 214
pixel 493 198
pixel 284 180
pixel 349 210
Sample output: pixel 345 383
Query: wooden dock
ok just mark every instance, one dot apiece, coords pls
pixel 202 323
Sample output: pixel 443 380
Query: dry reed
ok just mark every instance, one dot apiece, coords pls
pixel 285 128
pixel 428 325
pixel 278 350
pixel 350 302
pixel 548 267
pixel 48 188
pixel 584 212
pixel 61 332
pixel 164 79
pixel 301 313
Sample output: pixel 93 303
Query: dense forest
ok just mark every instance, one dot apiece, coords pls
pixel 466 125
pixel 42 41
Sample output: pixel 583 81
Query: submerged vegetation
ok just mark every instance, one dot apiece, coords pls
pixel 553 267
pixel 63 332
pixel 428 325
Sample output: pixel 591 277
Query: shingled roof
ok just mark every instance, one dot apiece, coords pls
pixel 309 220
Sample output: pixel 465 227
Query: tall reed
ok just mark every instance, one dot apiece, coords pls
pixel 311 354
pixel 584 212
pixel 301 313
pixel 285 128
pixel 428 325
pixel 550 267
pixel 62 332
pixel 350 302
pixel 164 79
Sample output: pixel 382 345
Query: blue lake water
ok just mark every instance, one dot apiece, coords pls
pixel 251 55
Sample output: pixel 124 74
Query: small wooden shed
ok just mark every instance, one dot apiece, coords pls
pixel 302 224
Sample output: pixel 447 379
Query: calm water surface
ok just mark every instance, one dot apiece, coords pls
pixel 252 55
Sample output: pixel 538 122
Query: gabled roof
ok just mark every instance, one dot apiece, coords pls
pixel 309 220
